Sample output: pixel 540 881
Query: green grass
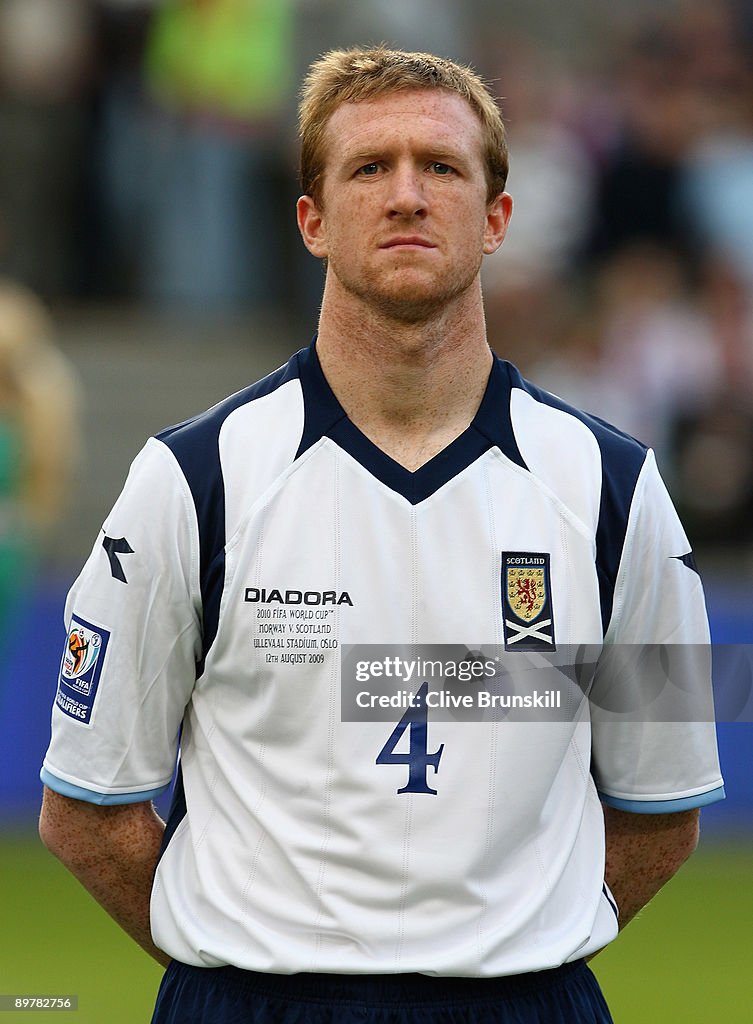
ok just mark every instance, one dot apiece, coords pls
pixel 688 957
pixel 55 940
pixel 686 960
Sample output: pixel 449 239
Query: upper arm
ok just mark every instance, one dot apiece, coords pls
pixel 643 851
pixel 133 621
pixel 654 740
pixel 669 837
pixel 78 832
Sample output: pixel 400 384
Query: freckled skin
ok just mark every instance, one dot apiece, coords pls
pixel 643 852
pixel 402 336
pixel 407 164
pixel 113 852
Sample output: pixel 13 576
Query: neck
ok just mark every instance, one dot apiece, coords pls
pixel 411 387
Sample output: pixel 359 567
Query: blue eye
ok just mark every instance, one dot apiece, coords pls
pixel 439 168
pixel 368 169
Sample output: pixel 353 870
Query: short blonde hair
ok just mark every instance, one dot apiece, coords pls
pixel 350 76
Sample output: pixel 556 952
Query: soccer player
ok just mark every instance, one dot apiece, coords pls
pixel 393 484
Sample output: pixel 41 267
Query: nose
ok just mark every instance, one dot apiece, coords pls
pixel 406 197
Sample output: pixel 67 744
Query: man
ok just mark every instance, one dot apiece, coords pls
pixel 393 484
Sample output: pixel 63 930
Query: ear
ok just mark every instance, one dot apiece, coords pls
pixel 497 218
pixel 311 226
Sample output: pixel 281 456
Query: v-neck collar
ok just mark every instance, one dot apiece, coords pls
pixel 490 427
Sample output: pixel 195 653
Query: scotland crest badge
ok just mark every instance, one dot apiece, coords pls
pixel 527 611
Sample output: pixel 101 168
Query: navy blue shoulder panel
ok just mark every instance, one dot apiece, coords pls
pixel 622 459
pixel 195 445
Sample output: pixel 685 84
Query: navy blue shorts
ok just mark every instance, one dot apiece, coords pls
pixel 225 995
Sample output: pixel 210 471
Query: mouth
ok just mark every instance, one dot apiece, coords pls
pixel 408 242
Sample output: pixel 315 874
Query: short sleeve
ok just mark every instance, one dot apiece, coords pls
pixel 654 739
pixel 133 637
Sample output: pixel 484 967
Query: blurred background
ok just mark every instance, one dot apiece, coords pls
pixel 150 265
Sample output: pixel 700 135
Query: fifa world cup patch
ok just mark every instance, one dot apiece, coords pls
pixel 81 668
pixel 527 611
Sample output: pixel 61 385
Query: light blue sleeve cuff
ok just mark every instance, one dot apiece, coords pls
pixel 686 803
pixel 91 797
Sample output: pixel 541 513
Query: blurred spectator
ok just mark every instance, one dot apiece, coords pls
pixel 716 183
pixel 657 121
pixel 724 296
pixel 551 176
pixel 551 182
pixel 437 26
pixel 646 353
pixel 39 439
pixel 115 182
pixel 219 73
pixel 713 475
pixel 712 445
pixel 45 53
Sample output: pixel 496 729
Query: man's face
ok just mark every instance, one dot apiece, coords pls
pixel 403 217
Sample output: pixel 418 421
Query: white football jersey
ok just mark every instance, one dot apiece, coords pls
pixel 251 545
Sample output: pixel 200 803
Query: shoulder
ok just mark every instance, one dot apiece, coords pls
pixel 231 454
pixel 536 411
pixel 195 443
pixel 593 466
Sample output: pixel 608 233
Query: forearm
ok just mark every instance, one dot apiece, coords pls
pixel 113 852
pixel 643 851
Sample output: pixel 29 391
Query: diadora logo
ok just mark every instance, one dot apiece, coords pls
pixel 259 595
pixel 527 601
pixel 114 547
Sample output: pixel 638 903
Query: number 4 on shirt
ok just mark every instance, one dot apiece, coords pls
pixel 418 757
